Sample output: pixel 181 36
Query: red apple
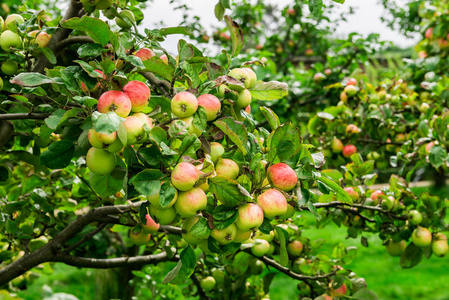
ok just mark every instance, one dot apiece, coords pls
pixel 145 54
pixel 248 109
pixel 228 168
pixel 184 104
pixel 352 193
pixel 42 39
pixel 349 150
pixel 282 176
pixel 273 203
pixel 352 129
pixel 328 72
pixel 184 176
pixel 139 94
pixel 351 81
pixel 318 77
pixel 259 47
pixel 224 37
pixel 344 97
pixel 341 291
pixel 376 194
pixel 294 248
pixel 211 105
pixel 250 217
pixel 309 52
pixel 421 237
pixel 396 248
pixel 146 120
pixel 291 11
pixel 115 101
pixel 150 226
pixel 429 33
pixel 135 133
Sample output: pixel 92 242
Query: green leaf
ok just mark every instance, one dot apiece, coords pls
pixel 201 229
pixel 31 182
pixel 175 30
pixel 107 185
pixel 267 279
pixel 184 269
pixel 226 190
pixel 58 155
pixel 315 7
pixel 89 50
pixel 362 294
pixel 34 79
pixel 437 155
pixel 412 256
pixel 167 193
pixel 49 55
pixel 190 144
pixel 53 120
pixel 219 11
pixel 339 1
pixel 271 117
pixel 236 36
pixel 200 118
pixel 223 212
pixel 106 123
pixel 272 90
pixel 342 195
pixel 158 66
pixel 236 131
pixel 266 226
pixel 147 182
pixel 186 51
pixel 158 135
pixel 285 144
pixel 95 28
pixel 283 238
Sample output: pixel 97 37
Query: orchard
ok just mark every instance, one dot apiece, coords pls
pixel 199 175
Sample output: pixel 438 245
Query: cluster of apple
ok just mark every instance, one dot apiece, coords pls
pixel 101 158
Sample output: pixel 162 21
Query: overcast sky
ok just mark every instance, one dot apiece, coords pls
pixel 366 19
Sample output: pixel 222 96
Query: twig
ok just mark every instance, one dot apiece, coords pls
pixel 162 85
pixel 379 142
pixel 86 237
pixel 201 292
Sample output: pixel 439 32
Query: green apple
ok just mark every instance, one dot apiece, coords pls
pixel 242 236
pixel 226 235
pixel 9 39
pixel 10 67
pixel 184 176
pixel 35 244
pixel 260 248
pixel 351 90
pixel 2 24
pixel 268 237
pixel 415 217
pixel 252 77
pixel 396 248
pixel 256 267
pixel 164 216
pixel 89 2
pixel 1 83
pixel 135 132
pixel 103 4
pixel 184 104
pixel 190 202
pixel 208 283
pixel 138 236
pixel 250 217
pixel 298 263
pixel 294 248
pixel 241 75
pixel 187 235
pixel 421 237
pixel 216 151
pixel 228 168
pixel 336 145
pixel 14 18
pixel 219 275
pixel 243 99
pixel 125 19
pixel 100 162
pixel 439 245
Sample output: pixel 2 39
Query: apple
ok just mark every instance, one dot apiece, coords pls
pixel 421 237
pixel 396 248
pixel 224 236
pixel 145 54
pixel 250 217
pixel 219 275
pixel 268 237
pixel 429 33
pixel 14 18
pixel 424 107
pixel 100 162
pixel 282 176
pixel 224 37
pixel 340 292
pixel 125 18
pixel 309 52
pixel 163 216
pixel 291 12
pixel 184 176
pixel 242 75
pixel 297 263
pixel 328 72
pixel 228 168
pixel 104 141
pixel 248 109
pixel 273 203
pixel 146 120
pixel 139 94
pixel 103 4
pixel 243 99
pixel 186 235
pixel 154 200
pixel 242 236
pixel 150 226
pixel 9 39
pixel 211 105
pixel 351 129
pixel 2 23
pixel 318 77
pixel 139 237
pixel 373 155
pixel 351 90
pixel 216 151
pixel 415 217
pixel 115 101
pixel 429 146
pixel 352 193
pixel 336 145
pixel 344 97
pixel 351 81
pixel 260 248
pixel 10 67
pixel 1 83
pixel 164 58
pixel 190 202
pixel 191 127
pixel 279 49
pixel 375 195
pixel 252 77
pixel 256 267
pixel 37 243
pixel 42 39
pixel 439 245
pixel 184 104
pixel 259 47
pixel 294 248
pixel 135 133
pixel 207 283
pixel 349 150
pixel 89 2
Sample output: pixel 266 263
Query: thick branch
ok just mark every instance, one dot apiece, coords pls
pixel 73 40
pixel 162 85
pixel 30 116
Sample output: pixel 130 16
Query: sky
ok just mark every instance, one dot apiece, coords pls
pixel 366 19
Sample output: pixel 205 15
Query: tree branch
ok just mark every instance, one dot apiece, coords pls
pixel 201 292
pixel 162 85
pixel 73 40
pixel 30 116
pixel 86 237
pixel 371 141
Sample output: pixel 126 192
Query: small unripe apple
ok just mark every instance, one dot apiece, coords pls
pixel 352 193
pixel 9 39
pixel 352 129
pixel 318 77
pixel 415 217
pixel 216 151
pixel 421 237
pixel 252 76
pixel 291 11
pixel 241 236
pixel 14 18
pixel 439 245
pixel 259 47
pixel 190 202
pixel 186 235
pixel 396 248
pixel 135 132
pixel 309 52
pixel 115 101
pixel 243 99
pixel 429 33
pixel 208 283
pixel 328 72
pixel 2 23
pixel 219 275
pixel 139 237
pixel 424 107
pixel 242 75
pixel 100 162
pixel 163 216
pixel 211 105
pixel 228 168
pixel 104 141
pixel 294 248
pixel 250 217
pixel 224 37
pixel 150 226
pixel 224 236
pixel 260 248
pixel 344 97
pixel 273 203
pixel 351 81
pixel 282 176
pixel 349 150
pixel 145 54
pixel 89 2
pixel 139 94
pixel 125 15
pixel 184 104
pixel 336 145
pixel 1 83
pixel 184 176
pixel 10 67
pixel 351 90
pixel 103 4
pixel 376 194
pixel 257 267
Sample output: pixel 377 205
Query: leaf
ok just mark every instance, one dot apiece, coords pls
pixel 266 226
pixel 95 28
pixel 272 90
pixel 106 123
pixel 339 1
pixel 58 155
pixel 271 117
pixel 283 238
pixel 175 30
pixel 186 51
pixel 437 155
pixel 184 269
pixel 31 182
pixel 147 182
pixel 190 144
pixel 49 55
pixel 107 185
pixel 158 66
pixel 236 36
pixel 34 79
pixel 219 11
pixel 53 120
pixel 315 7
pixel 285 144
pixel 411 257
pixel 236 131
pixel 363 294
pixel 201 229
pixel 342 195
pixel 166 195
pixel 89 50
pixel 267 279
pixel 223 212
pixel 226 190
